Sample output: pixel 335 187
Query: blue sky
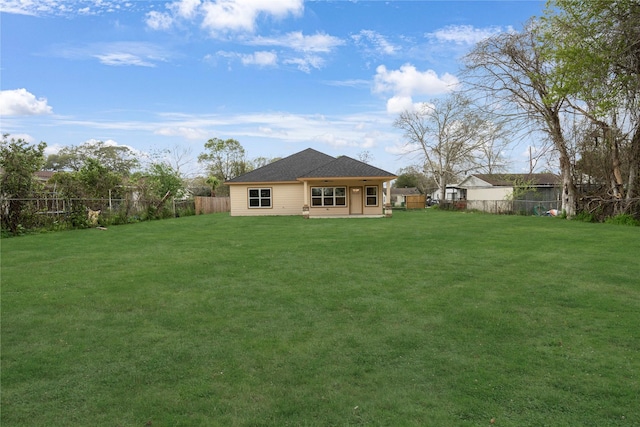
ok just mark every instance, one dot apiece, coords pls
pixel 279 76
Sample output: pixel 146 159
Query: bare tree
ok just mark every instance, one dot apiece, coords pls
pixel 510 68
pixel 451 136
pixel 365 156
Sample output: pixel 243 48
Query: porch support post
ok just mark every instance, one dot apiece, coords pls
pixel 305 206
pixel 388 212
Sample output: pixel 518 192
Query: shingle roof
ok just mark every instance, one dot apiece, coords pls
pixel 310 163
pixel 406 191
pixel 286 169
pixel 346 167
pixel 507 180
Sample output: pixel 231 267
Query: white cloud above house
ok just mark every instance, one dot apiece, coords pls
pixel 20 102
pixel 222 17
pixel 296 40
pixel 408 82
pixel 374 43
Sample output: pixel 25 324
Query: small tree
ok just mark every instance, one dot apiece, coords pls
pixel 19 161
pixel 214 183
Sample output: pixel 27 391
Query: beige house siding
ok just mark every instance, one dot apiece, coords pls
pixel 286 199
pixel 289 198
pixel 496 193
pixel 493 200
pixel 347 210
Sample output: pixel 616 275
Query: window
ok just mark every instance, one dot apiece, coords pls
pixel 372 196
pixel 329 196
pixel 259 197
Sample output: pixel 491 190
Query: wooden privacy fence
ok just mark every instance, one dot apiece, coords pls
pixel 416 202
pixel 207 205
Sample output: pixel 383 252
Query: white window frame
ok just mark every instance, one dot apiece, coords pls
pixel 325 196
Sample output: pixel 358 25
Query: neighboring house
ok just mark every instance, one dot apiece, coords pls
pixel 452 192
pixel 44 176
pixel 399 195
pixel 311 184
pixel 496 192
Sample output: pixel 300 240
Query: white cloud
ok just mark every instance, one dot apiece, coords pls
pixel 121 58
pixel 317 43
pixel 465 34
pixel 62 7
pixel 116 54
pixel 407 82
pixel 159 20
pixel 306 63
pixel 185 132
pixel 53 149
pixel 186 9
pixel 20 102
pixel 402 149
pixel 223 16
pixel 398 104
pixel 113 143
pixel 261 59
pixel 374 42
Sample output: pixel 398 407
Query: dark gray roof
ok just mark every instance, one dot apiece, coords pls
pixel 286 169
pixel 310 163
pixel 346 167
pixel 405 191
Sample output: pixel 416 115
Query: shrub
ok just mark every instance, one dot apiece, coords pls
pixel 623 219
pixel 584 216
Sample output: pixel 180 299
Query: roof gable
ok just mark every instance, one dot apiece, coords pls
pixel 405 191
pixel 310 163
pixel 346 167
pixel 286 169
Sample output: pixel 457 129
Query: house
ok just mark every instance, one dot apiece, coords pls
pixel 452 193
pixel 399 195
pixel 499 192
pixel 311 184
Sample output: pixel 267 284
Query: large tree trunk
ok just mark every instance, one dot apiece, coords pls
pixel 442 185
pixel 569 199
pixel 634 164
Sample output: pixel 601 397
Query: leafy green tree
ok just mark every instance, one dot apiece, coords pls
pixel 114 158
pixel 97 180
pixel 214 183
pixel 595 45
pixel 164 180
pixel 19 161
pixel 224 159
pixel 412 177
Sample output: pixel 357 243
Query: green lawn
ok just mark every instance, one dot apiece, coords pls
pixel 428 318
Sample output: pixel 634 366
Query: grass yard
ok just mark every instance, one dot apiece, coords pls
pixel 429 318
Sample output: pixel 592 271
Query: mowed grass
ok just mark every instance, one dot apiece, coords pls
pixel 428 319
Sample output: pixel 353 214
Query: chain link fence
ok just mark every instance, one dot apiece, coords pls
pixel 51 213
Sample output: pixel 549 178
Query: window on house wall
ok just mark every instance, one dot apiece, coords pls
pixel 259 197
pixel 372 196
pixel 328 196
